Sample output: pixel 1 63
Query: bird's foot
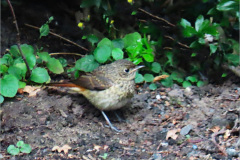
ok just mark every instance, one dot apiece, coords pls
pixel 109 123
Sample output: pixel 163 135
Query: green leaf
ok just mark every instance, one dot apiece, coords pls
pixel 200 83
pixel 86 64
pixel 15 71
pixel 134 13
pixel 170 57
pixel 186 84
pixel 90 3
pixel 233 59
pixel 20 144
pixel 6 59
pixel 192 78
pixel 3 69
pixel 104 156
pixel 44 56
pixel 28 52
pixel 134 51
pixel 201 40
pixel 137 61
pixel 102 53
pixel 105 42
pixel 92 38
pixel 118 43
pixel 153 86
pixel 23 68
pixel 213 48
pixel 148 57
pixel 26 148
pixel 1 99
pixel 156 67
pixel 50 19
pixel 21 84
pixel 44 30
pixel 63 61
pixel 13 150
pixel 148 77
pixel 199 22
pixel 168 82
pixel 184 23
pixel 193 54
pixel 132 39
pixel 55 66
pixel 189 31
pixel 117 53
pixel 39 75
pixel 139 78
pixel 227 5
pixel 195 45
pixel 9 85
pixel 177 76
pixel 224 75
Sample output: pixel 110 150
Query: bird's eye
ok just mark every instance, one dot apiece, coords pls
pixel 126 70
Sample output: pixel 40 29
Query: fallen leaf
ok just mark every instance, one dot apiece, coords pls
pixel 226 134
pixel 64 148
pixel 158 78
pixel 173 134
pixel 31 90
pixel 215 129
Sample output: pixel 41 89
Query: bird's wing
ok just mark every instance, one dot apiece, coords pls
pixel 93 81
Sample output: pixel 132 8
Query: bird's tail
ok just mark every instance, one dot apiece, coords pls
pixel 69 85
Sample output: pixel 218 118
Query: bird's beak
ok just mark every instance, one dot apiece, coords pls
pixel 136 68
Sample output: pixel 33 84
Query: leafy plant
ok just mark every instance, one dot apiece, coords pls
pixel 21 147
pixel 44 30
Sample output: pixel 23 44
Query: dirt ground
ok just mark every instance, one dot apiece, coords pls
pixel 169 123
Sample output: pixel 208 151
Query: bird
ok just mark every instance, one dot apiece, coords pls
pixel 108 87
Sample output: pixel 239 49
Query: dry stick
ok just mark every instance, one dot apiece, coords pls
pixel 181 44
pixel 63 53
pixel 60 37
pixel 221 148
pixel 18 38
pixel 161 19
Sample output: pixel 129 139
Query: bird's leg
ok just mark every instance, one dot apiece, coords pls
pixel 109 123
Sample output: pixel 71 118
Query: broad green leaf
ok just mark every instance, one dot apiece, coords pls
pixel 192 78
pixel 1 99
pixel 137 61
pixel 148 77
pixel 44 56
pixel 63 61
pixel 86 64
pixel 23 68
pixel 189 31
pixel 134 13
pixel 233 59
pixel 118 43
pixel 168 82
pixel 184 23
pixel 3 69
pixel 13 70
pixel 6 59
pixel 227 5
pixel 201 40
pixel 200 83
pixel 177 76
pixel 9 85
pixel 105 42
pixel 20 144
pixel 26 148
pixel 152 86
pixel 102 53
pixel 28 52
pixel 132 39
pixel 39 75
pixel 148 57
pixel 195 45
pixel 186 84
pixel 156 67
pixel 117 53
pixel 55 66
pixel 13 150
pixel 199 22
pixel 44 30
pixel 134 51
pixel 139 78
pixel 21 84
pixel 224 75
pixel 170 57
pixel 193 54
pixel 90 3
pixel 213 48
pixel 92 38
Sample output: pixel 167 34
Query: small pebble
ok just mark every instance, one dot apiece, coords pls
pixel 231 152
pixel 194 146
pixel 158 96
pixel 185 130
pixel 164 144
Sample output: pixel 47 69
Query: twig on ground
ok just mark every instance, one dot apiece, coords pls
pixel 221 148
pixel 60 37
pixel 18 38
pixel 63 53
pixel 161 19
